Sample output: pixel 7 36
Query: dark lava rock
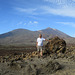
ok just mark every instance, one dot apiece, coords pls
pixel 56 45
pixel 16 64
pixel 30 70
pixel 51 67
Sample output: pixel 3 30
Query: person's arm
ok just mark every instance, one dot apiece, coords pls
pixel 48 40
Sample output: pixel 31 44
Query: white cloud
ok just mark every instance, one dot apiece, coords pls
pixel 67 23
pixel 66 11
pixel 60 1
pixel 32 22
pixel 24 23
pixel 60 7
pixel 54 1
pixel 19 23
pixel 35 22
pixel 25 10
pixel 29 10
pixel 27 23
pixel 56 7
pixel 73 0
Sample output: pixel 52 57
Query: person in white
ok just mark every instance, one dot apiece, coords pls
pixel 39 44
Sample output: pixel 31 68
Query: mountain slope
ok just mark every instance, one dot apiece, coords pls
pixel 24 36
pixel 53 32
pixel 18 36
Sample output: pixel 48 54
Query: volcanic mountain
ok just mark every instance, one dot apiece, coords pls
pixel 27 37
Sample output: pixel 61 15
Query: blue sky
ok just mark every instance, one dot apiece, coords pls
pixel 37 14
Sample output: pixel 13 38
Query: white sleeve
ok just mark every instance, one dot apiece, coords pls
pixel 43 38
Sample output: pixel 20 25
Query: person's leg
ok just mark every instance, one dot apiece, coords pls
pixel 41 52
pixel 38 50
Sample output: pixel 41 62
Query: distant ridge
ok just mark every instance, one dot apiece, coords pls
pixel 28 37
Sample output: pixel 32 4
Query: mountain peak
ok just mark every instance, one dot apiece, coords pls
pixel 48 28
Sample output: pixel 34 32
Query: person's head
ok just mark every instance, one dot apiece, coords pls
pixel 40 35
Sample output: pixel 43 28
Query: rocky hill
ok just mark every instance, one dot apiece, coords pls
pixel 24 36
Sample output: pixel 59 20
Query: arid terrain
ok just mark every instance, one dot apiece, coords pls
pixel 20 61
